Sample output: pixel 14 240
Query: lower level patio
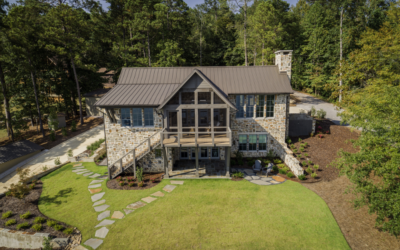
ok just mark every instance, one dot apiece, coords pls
pixel 207 169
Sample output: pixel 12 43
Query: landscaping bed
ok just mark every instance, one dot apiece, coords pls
pixel 28 203
pixel 147 183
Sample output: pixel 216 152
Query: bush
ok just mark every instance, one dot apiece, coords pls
pixel 238 175
pixel 52 136
pixel 267 162
pixel 282 171
pixel 301 177
pixel 57 161
pixel 295 150
pixel 70 153
pixel 64 132
pixel 141 184
pixel 270 154
pixel 305 154
pixel 25 215
pixel 277 161
pixel 301 149
pixel 304 163
pixel 51 223
pixel 287 169
pixel 131 183
pixel 11 222
pixel 313 111
pixel 314 175
pixel 58 227
pixel 73 126
pixel 309 170
pixel 153 180
pixel 68 230
pixel 39 220
pixel 309 162
pixel 121 183
pixel 20 189
pixel 300 140
pixel 289 141
pixel 139 174
pixel 47 243
pixel 306 144
pixel 290 175
pixel 37 227
pixel 316 167
pixel 23 225
pixel 321 113
pixel 6 215
pixel 275 168
pixel 281 165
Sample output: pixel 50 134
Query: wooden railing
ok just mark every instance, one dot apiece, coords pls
pixel 166 134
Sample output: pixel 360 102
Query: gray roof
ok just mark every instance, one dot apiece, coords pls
pixel 150 86
pixel 17 149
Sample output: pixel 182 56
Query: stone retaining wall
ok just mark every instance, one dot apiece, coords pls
pixel 84 157
pixel 286 155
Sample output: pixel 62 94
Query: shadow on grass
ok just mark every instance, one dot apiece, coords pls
pixel 48 200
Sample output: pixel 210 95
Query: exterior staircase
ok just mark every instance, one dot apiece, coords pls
pixel 131 158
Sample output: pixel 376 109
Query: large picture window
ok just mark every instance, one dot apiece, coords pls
pixel 125 117
pixel 252 142
pixel 240 106
pixel 242 142
pixel 137 117
pixel 148 117
pixel 262 142
pixel 260 106
pixel 250 106
pixel 270 105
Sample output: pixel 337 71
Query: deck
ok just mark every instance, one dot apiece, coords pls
pixel 190 140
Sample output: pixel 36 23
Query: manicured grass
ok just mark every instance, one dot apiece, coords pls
pixel 207 214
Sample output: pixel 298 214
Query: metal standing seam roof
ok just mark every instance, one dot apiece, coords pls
pixel 17 149
pixel 150 86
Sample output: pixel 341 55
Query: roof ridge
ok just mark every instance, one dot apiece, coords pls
pixel 194 67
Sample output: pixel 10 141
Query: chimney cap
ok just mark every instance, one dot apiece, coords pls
pixel 283 51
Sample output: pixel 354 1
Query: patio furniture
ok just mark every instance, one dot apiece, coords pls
pixel 268 169
pixel 257 167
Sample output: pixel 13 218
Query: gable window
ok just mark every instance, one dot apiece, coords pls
pixel 175 99
pixel 187 97
pixel 240 106
pixel 188 118
pixel 262 142
pixel 260 106
pixel 158 153
pixel 242 142
pixel 252 142
pixel 250 106
pixel 270 105
pixel 148 117
pixel 137 117
pixel 125 117
pixel 217 99
pixel 184 153
pixel 204 97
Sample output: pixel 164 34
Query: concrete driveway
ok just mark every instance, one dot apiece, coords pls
pixel 78 145
pixel 308 101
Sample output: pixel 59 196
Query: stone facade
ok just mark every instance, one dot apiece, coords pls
pixel 283 58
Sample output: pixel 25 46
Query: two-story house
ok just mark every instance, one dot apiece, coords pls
pixel 193 119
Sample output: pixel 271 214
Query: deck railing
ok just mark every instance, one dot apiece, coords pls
pixel 167 134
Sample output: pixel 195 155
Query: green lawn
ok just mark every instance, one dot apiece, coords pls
pixel 207 214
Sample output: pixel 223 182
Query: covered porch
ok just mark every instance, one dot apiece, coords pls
pixel 207 169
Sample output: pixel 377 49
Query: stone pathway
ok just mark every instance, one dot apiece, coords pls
pixel 259 178
pixel 99 205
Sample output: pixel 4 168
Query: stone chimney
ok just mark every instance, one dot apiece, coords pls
pixel 283 58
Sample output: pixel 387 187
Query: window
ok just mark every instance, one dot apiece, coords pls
pixel 158 153
pixel 203 152
pixel 193 153
pixel 148 117
pixel 172 119
pixel 239 106
pixel 250 106
pixel 270 105
pixel 214 152
pixel 217 99
pixel 184 153
pixel 252 142
pixel 260 106
pixel 175 99
pixel 219 117
pixel 125 117
pixel 262 142
pixel 204 97
pixel 204 118
pixel 188 118
pixel 137 117
pixel 243 142
pixel 187 97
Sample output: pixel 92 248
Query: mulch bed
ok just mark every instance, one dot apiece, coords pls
pixel 236 179
pixel 322 151
pixel 32 135
pixel 114 183
pixel 21 206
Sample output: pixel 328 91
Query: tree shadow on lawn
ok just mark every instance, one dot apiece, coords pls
pixel 48 200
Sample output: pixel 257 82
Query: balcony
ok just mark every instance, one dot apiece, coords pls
pixel 205 137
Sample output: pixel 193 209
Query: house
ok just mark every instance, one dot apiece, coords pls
pixel 189 121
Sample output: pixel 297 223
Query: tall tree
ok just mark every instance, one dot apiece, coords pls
pixel 243 6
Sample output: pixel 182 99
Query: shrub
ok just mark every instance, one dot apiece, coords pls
pixel 6 215
pixel 73 126
pixel 309 162
pixel 327 132
pixel 292 146
pixel 301 177
pixel 301 149
pixel 131 183
pixel 287 169
pixel 141 184
pixel 275 168
pixel 118 178
pixel 300 140
pixel 130 178
pixel 316 167
pixel 58 227
pixel 57 161
pixel 238 175
pixel 250 163
pixel 282 171
pixel 309 170
pixel 290 175
pixel 47 243
pixel 20 189
pixel 52 136
pixel 153 180
pixel 270 154
pixel 37 227
pixel 267 162
pixel 314 175
pixel 321 113
pixel 68 230
pixel 25 215
pixel 320 136
pixel 32 186
pixel 121 183
pixel 23 225
pixel 139 174
pixel 39 220
pixel 281 165
pixel 44 168
pixel 304 163
pixel 295 150
pixel 306 155
pixel 277 161
pixel 289 141
pixel 312 134
pixel 306 144
pixel 51 223
pixel 70 153
pixel 64 132
pixel 11 222
pixel 313 111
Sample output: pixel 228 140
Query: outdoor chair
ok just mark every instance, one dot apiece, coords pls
pixel 268 169
pixel 257 167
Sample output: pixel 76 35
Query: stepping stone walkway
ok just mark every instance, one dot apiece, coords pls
pixel 100 206
pixel 149 199
pixel 259 180
pixel 117 215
